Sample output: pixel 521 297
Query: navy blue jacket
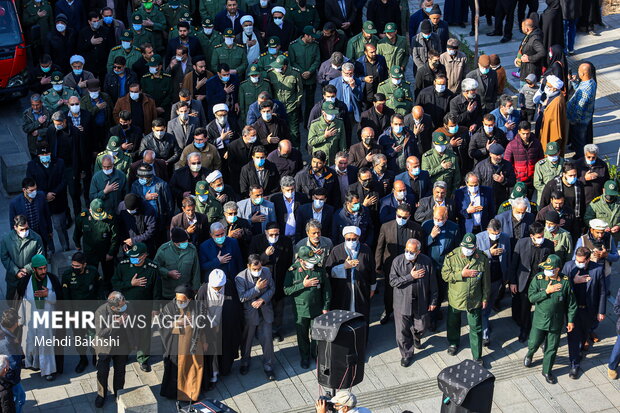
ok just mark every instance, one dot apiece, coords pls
pixel 596 293
pixel 18 207
pixel 222 22
pixel 207 255
pixel 388 205
pixel 424 180
pixel 194 47
pixel 216 94
pixel 341 220
pixel 50 179
pixel 360 68
pixel 462 201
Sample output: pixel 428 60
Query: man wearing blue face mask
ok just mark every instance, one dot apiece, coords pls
pixel 487 83
pixel 126 49
pixel 484 137
pixel 259 171
pixel 353 213
pixel 441 163
pixel 108 184
pixel 57 98
pixel 280 27
pixel 178 263
pixel 115 27
pixel 422 43
pixel 220 252
pixel 156 192
pixel 138 279
pixel 257 210
pixel 568 184
pixel 76 79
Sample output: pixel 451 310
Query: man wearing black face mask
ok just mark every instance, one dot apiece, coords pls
pixel 607 208
pixel 130 135
pixel 378 116
pixel 361 153
pixel 81 282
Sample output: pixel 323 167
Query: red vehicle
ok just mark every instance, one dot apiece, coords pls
pixel 13 57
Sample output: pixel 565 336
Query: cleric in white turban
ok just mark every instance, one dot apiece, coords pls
pixel 552 126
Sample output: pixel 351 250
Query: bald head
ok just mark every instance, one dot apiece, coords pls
pixel 412 162
pixel 399 186
pixel 367 132
pixel 440 213
pixel 585 71
pixel 417 112
pixel 285 147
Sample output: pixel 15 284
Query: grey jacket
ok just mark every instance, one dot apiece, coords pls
pixel 29 125
pixel 266 208
pixel 195 107
pixel 248 293
pixel 420 48
pixel 404 285
pixel 183 138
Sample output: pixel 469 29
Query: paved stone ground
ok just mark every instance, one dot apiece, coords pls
pixel 387 387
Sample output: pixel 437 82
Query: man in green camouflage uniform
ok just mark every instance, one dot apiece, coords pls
pixel 153 19
pixel 207 204
pixel 209 8
pixel 126 49
pixel 141 34
pixel 393 47
pixel 551 293
pixel 249 90
pixel 303 16
pixel 288 89
pixel 266 59
pixel 122 161
pixel 518 191
pixel 399 102
pixel 327 133
pixel 232 54
pixel 442 165
pixel 58 96
pixel 158 85
pixel 304 55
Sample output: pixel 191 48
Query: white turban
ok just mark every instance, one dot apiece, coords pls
pixel 213 176
pixel 217 278
pixel 278 9
pixel 351 229
pixel 555 81
pixel 76 58
pixel 598 224
pixel 247 18
pixel 220 106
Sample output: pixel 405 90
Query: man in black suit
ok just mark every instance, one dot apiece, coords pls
pixel 393 237
pixel 185 39
pixel 317 209
pixel 276 253
pixel 389 203
pixel 239 153
pixel 259 172
pixel 424 210
pixel 487 83
pixel 81 120
pixel 361 153
pixel 285 204
pixel 130 135
pixel 378 116
pixel 341 13
pixel 237 227
pixel 381 174
pixel 421 125
pixel 223 20
pixel 345 173
pixel 318 175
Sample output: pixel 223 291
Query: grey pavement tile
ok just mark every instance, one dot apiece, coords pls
pixel 87 407
pixel 269 400
pixel 244 404
pixel 524 407
pixel 495 409
pixel 541 406
pixel 51 397
pixel 506 394
pixel 429 405
pixel 571 385
pixel 411 406
pixel 292 395
pixel 410 374
pixel 591 400
pixel 385 375
pixel 612 392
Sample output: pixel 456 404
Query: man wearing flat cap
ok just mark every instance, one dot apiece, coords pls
pixel 95 234
pixel 137 278
pixel 351 267
pixel 551 293
pixel 467 273
pixel 311 290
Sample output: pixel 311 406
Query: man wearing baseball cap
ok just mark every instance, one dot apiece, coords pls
pixel 467 273
pixel 551 293
pixel 288 89
pixel 304 55
pixel 393 47
pixel 311 290
pixel 327 132
pixel 57 98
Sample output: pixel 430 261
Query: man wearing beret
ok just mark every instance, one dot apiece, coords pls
pixel 311 291
pixel 441 163
pixel 95 234
pixel 138 279
pixel 467 273
pixel 551 293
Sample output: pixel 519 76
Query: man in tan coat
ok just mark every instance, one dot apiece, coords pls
pixel 552 126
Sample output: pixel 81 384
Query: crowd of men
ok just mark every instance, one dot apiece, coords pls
pixel 177 129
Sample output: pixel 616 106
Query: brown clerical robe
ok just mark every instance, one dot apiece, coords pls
pixel 554 125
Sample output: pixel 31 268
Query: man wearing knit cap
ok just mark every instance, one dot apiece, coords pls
pixel 351 266
pixel 422 43
pixel 487 83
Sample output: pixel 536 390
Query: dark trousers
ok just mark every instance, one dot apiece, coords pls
pixel 474 320
pixel 505 9
pixel 309 91
pixel 527 114
pixel 579 335
pixel 522 311
pixel 532 6
pixel 307 347
pixel 388 298
pixel 551 340
pixel 408 327
pixel 103 371
pixel 107 267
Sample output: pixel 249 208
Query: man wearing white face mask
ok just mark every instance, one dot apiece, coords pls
pixel 472 203
pixel 414 284
pixel 286 204
pixel 516 220
pixel 552 124
pixel 467 272
pixel 528 253
pixel 547 168
pixel 506 117
pixel 250 39
pixel 455 63
pixel 280 27
pixel 496 246
pixel 231 54
pixel 256 288
pixel 109 184
pixel 183 126
pixel 351 266
pixel 270 129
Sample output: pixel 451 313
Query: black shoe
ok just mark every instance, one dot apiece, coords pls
pixel 574 372
pixel 50 377
pixel 271 376
pixel 244 370
pixel 486 342
pixel 99 402
pixel 550 378
pixel 81 365
pixel 480 361
pixel 505 39
pixel 452 350
pixel 145 367
pixel 406 362
pixel 385 318
pixel 432 327
pixel 472 33
pixel 305 364
pixel 527 361
pixel 417 342
pixel 278 336
pixel 489 21
pixel 522 337
pixel 493 33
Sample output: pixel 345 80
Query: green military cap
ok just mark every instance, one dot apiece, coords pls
pixel 96 209
pixel 396 72
pixel 208 22
pixel 279 62
pixel 552 149
pixel 138 249
pixel 552 262
pixel 113 143
pixel 309 30
pixel 56 78
pixel 273 41
pixel 369 27
pixel 469 241
pixel 306 254
pixel 229 33
pixel 389 28
pixel 173 2
pixel 38 260
pixel 519 190
pixel 136 19
pixel 611 188
pixel 155 60
pixel 127 35
pixel 202 188
pixel 253 71
pixel 400 94
pixel 329 108
pixel 185 16
pixel 439 138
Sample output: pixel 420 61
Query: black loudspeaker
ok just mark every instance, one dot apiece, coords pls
pixel 341 337
pixel 467 388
